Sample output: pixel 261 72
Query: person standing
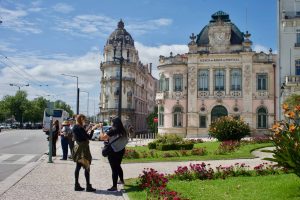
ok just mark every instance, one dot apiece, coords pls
pixel 55 134
pixel 81 152
pixel 71 137
pixel 65 131
pixel 118 134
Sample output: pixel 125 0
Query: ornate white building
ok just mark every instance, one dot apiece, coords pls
pixel 138 84
pixel 220 75
pixel 288 48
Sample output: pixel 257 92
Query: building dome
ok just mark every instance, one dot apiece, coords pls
pixel 120 34
pixel 237 37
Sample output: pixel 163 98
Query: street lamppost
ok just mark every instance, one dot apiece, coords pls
pixel 119 42
pixel 87 101
pixel 19 85
pixel 77 101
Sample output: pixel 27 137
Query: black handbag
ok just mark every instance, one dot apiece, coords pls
pixel 107 149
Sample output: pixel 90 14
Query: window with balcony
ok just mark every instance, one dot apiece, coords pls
pixel 161 117
pixel 297 67
pixel 236 79
pixel 262 81
pixel 219 80
pixel 202 121
pixel 203 80
pixel 177 117
pixel 178 82
pixel 262 118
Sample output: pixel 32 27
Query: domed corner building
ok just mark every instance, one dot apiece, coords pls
pixel 138 84
pixel 219 76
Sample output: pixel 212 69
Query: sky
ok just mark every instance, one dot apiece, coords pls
pixel 40 40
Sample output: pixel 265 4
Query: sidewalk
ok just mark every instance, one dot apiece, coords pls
pixel 56 180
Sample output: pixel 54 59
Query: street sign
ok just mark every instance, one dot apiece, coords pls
pixel 155 119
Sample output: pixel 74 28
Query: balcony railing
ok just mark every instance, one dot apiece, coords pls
pixel 292 80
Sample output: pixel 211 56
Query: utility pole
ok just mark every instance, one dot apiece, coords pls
pixel 19 85
pixel 78 90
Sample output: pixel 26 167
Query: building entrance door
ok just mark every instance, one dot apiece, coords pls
pixel 218 111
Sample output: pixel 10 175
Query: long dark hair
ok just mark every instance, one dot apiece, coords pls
pixel 118 127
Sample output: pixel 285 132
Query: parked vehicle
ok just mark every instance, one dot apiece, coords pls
pixel 58 114
pixel 97 132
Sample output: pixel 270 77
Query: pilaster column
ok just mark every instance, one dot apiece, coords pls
pixel 227 70
pixel 211 81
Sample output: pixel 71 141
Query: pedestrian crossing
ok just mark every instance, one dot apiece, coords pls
pixel 18 159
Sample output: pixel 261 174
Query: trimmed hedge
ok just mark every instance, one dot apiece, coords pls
pixel 167 147
pixel 152 145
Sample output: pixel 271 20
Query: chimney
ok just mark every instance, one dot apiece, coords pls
pixel 150 68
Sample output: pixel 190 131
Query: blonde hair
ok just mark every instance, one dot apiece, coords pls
pixel 80 119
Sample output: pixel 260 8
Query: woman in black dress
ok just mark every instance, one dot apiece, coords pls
pixel 118 133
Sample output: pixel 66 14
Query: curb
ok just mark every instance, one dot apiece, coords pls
pixel 17 176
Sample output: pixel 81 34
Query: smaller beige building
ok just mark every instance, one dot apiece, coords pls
pixel 219 76
pixel 138 84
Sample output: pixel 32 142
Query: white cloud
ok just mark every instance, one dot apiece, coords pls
pixel 46 70
pixel 150 54
pixel 258 48
pixel 63 8
pixel 102 26
pixel 5 47
pixel 15 20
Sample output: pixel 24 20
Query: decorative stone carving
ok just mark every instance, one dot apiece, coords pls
pixel 192 79
pixel 247 77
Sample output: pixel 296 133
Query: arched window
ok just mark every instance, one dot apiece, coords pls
pixel 262 118
pixel 161 116
pixel 177 116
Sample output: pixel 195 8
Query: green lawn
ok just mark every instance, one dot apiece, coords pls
pixel 273 187
pixel 243 152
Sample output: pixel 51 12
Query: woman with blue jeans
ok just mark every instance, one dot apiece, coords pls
pixel 64 139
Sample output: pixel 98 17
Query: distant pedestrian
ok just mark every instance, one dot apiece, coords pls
pixel 81 152
pixel 64 134
pixel 55 134
pixel 117 133
pixel 71 138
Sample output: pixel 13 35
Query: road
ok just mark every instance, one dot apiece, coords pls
pixel 18 148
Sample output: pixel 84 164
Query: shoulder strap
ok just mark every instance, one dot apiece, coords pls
pixel 114 140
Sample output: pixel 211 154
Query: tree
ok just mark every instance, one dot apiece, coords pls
pixel 293 100
pixel 152 126
pixel 62 105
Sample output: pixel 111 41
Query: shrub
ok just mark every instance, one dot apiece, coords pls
pixel 168 139
pixel 152 145
pixel 286 139
pixel 227 147
pixel 167 147
pixel 199 151
pixel 195 141
pixel 201 172
pixel 228 128
pixel 131 154
pixel 184 152
pixel 260 139
pixel 183 173
pixel 168 155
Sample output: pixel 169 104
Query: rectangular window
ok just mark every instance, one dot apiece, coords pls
pixel 178 82
pixel 262 121
pixel 298 38
pixel 203 80
pixel 297 67
pixel 202 121
pixel 262 81
pixel 166 84
pixel 219 80
pixel 161 119
pixel 236 79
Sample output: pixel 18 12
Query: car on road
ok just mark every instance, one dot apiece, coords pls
pixel 98 131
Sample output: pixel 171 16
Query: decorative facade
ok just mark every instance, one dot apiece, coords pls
pixel 289 49
pixel 219 76
pixel 138 84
